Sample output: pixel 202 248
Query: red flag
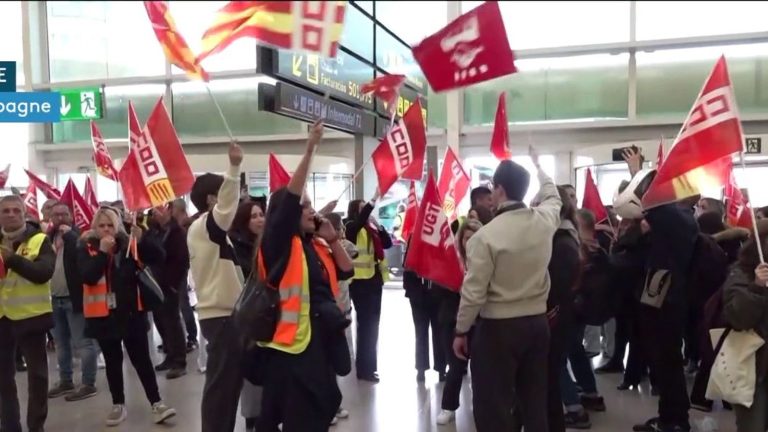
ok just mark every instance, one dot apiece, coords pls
pixel 592 201
pixel 738 212
pixel 49 191
pixel 411 213
pixel 30 201
pixel 90 195
pixel 500 137
pixel 432 252
pixel 660 153
pixel 471 49
pixel 156 170
pixel 4 175
pixel 711 132
pixel 401 152
pixel 81 211
pixel 386 88
pixel 454 184
pixel 101 157
pixel 278 176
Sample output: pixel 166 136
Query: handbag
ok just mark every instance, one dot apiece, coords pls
pixel 257 310
pixel 733 375
pixel 151 293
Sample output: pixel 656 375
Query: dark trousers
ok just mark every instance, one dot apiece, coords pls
pixel 662 331
pixel 509 370
pixel 223 375
pixel 32 345
pixel 692 334
pixel 300 390
pixel 638 363
pixel 425 309
pixel 457 367
pixel 168 322
pixel 581 366
pixel 366 298
pixel 623 329
pixel 558 346
pixel 188 313
pixel 136 343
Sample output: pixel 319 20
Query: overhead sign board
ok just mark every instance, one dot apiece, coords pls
pixel 342 77
pixel 300 104
pixel 396 58
pixel 80 103
pixel 406 98
pixel 754 145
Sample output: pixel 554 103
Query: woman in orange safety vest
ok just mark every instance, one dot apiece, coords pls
pixel 301 255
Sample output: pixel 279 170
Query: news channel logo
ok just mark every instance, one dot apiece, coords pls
pixel 25 107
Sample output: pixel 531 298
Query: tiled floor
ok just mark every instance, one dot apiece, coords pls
pixel 397 404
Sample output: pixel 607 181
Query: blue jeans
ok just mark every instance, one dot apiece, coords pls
pixel 68 332
pixel 582 371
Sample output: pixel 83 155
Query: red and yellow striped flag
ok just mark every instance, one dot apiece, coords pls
pixel 174 46
pixel 314 26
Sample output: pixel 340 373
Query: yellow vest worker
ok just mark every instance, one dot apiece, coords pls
pixel 26 312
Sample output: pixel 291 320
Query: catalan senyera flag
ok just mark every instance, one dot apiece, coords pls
pixel 101 158
pixel 174 46
pixel 156 170
pixel 711 132
pixel 314 26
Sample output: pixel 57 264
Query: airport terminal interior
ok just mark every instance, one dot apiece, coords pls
pixel 591 79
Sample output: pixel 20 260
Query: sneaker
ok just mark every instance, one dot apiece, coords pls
pixel 593 403
pixel 84 392
pixel 577 420
pixel 446 417
pixel 60 389
pixel 162 412
pixel 342 413
pixel 176 373
pixel 117 415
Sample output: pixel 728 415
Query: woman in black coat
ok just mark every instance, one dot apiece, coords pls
pixel 103 259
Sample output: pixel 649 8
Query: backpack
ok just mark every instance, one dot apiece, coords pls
pixel 599 295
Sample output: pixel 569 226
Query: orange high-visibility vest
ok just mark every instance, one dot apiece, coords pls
pixel 95 296
pixel 293 331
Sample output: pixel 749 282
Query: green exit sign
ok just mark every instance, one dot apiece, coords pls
pixel 81 103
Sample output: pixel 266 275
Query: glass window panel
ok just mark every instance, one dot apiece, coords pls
pixel 10 33
pixel 115 121
pixel 106 189
pixel 358 33
pixel 437 113
pixel 668 81
pixel 414 20
pixel 77 177
pixel 678 19
pixel 754 180
pixel 396 58
pixel 99 39
pixel 15 146
pixel 193 18
pixel 195 115
pixel 365 5
pixel 581 87
pixel 536 24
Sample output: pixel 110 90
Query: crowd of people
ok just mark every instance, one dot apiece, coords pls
pixel 544 284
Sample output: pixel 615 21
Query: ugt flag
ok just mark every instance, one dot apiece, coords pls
pixel 711 132
pixel 401 152
pixel 411 213
pixel 471 49
pixel 81 211
pixel 278 176
pixel 454 184
pixel 156 170
pixel 432 252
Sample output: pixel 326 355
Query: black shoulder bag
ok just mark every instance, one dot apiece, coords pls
pixel 257 310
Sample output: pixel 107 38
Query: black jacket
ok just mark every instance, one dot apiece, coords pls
pixel 171 272
pixel 563 274
pixel 71 271
pixel 244 250
pixel 122 280
pixel 38 271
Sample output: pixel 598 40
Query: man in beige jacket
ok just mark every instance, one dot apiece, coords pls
pixel 507 285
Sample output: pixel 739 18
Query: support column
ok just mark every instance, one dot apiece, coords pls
pixel 455 98
pixel 564 168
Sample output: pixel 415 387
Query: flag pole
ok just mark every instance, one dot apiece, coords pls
pixel 354 177
pixel 754 220
pixel 221 113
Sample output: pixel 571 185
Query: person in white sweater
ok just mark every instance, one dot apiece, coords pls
pixel 218 280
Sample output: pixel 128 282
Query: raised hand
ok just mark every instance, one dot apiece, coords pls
pixel 761 275
pixel 235 154
pixel 534 157
pixel 634 160
pixel 315 135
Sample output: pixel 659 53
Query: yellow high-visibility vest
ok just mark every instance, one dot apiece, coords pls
pixel 365 263
pixel 21 299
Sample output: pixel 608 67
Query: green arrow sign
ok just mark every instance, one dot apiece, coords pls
pixel 80 103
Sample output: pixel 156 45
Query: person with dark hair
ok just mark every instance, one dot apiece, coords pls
pixel 371 272
pixel 171 275
pixel 745 300
pixel 481 197
pixel 26 313
pixel 449 306
pixel 761 213
pixel 218 280
pixel 481 214
pixel 309 348
pixel 507 284
pixel 710 205
pixel 570 192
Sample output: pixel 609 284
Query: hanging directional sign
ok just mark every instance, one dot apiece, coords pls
pixel 754 145
pixel 81 103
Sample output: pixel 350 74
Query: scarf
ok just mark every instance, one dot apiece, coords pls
pixel 373 236
pixel 10 237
